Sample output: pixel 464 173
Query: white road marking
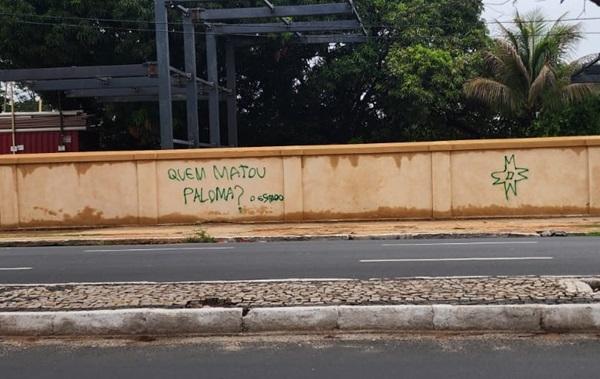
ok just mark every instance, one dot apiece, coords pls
pixel 290 280
pixel 458 259
pixel 159 249
pixel 448 277
pixel 459 243
pixel 15 268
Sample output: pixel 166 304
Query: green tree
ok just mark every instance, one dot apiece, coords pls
pixel 527 71
pixel 54 33
pixel 47 33
pixel 405 84
pixel 577 119
pixel 432 52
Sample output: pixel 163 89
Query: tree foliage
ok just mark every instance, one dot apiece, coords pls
pixel 405 84
pixel 527 71
pixel 578 119
pixel 54 33
pixel 50 33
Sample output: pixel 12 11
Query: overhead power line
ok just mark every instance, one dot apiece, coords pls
pixel 94 23
pixel 76 18
pixel 181 32
pixel 152 22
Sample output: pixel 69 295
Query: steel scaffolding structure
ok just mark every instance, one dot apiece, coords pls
pixel 159 81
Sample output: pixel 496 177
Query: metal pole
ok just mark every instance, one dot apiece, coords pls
pixel 189 39
pixel 232 127
pixel 13 119
pixel 213 96
pixel 61 146
pixel 4 97
pixel 164 74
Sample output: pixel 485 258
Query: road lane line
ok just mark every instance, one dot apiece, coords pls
pixel 460 243
pixel 15 268
pixel 159 249
pixel 457 259
pixel 283 280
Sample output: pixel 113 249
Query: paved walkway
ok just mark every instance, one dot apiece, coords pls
pixel 283 231
pixel 464 291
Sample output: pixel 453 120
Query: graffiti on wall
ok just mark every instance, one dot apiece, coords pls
pixel 510 176
pixel 230 184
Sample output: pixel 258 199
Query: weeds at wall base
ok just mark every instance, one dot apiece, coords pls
pixel 201 236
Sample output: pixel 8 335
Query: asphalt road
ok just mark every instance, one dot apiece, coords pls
pixel 315 259
pixel 428 357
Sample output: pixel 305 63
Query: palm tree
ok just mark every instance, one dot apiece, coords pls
pixel 527 71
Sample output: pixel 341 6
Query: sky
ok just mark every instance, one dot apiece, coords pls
pixel 503 10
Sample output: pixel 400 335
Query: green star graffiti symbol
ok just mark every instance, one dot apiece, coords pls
pixel 510 176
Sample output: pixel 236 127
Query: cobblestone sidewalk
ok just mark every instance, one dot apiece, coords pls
pixel 497 290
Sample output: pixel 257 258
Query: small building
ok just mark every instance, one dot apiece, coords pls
pixel 41 132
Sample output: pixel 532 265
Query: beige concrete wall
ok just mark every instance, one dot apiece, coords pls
pixel 76 193
pixel 550 176
pixel 9 200
pixel 367 186
pixel 546 181
pixel 220 190
pixel 594 176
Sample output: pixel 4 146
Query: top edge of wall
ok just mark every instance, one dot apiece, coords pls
pixel 264 152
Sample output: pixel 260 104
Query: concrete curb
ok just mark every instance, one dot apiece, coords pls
pixel 136 322
pixel 123 322
pixel 415 317
pixel 487 317
pixel 292 318
pixel 332 237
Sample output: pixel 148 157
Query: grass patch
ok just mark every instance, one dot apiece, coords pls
pixel 201 236
pixel 593 234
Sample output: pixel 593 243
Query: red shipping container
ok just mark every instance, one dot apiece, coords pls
pixel 40 142
pixel 40 132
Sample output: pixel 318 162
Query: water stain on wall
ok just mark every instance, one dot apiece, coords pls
pixel 334 161
pixel 82 168
pixel 28 169
pixel 381 213
pixel 522 210
pixel 46 211
pixel 354 160
pixel 398 160
pixel 576 150
pixel 179 218
pixel 87 217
